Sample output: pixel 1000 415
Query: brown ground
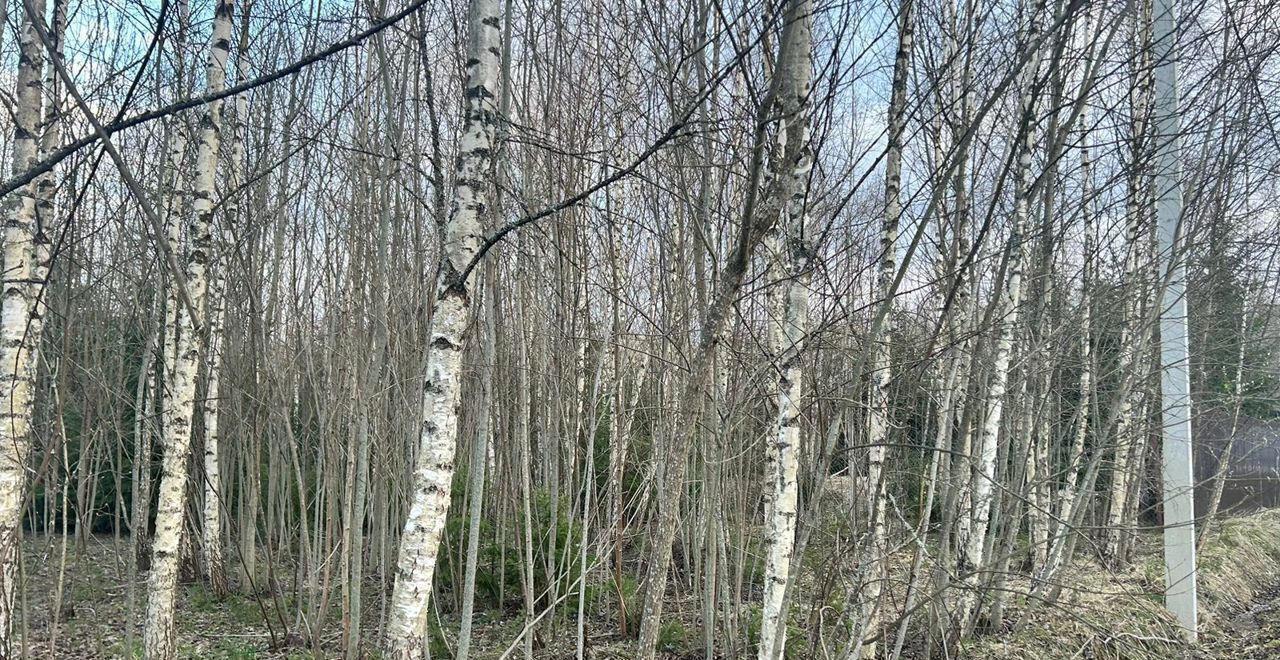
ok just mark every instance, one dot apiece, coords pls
pixel 1240 587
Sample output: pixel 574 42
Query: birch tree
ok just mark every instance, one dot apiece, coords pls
pixel 434 465
pixel 878 422
pixel 703 309
pixel 790 164
pixel 1134 344
pixel 184 362
pixel 973 536
pixel 791 254
pixel 1068 492
pixel 19 348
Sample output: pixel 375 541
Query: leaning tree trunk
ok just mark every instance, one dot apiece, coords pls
pixel 433 473
pixel 159 636
pixel 18 348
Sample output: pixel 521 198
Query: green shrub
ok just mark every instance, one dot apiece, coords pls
pixel 498 566
pixel 673 637
pixel 201 599
pixel 242 610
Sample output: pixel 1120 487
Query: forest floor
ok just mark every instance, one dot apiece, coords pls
pixel 1101 614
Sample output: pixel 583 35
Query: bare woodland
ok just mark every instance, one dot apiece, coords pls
pixel 700 329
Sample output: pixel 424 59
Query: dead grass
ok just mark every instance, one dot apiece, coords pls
pixel 1119 615
pixel 1101 614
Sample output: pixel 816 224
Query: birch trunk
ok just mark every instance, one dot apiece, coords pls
pixel 214 565
pixel 791 256
pixel 18 348
pixel 248 483
pixel 973 539
pixel 488 356
pixel 48 226
pixel 143 431
pixel 881 370
pixel 211 541
pixel 783 453
pixel 787 97
pixel 1062 529
pixel 159 634
pixel 406 636
pixel 954 426
pixel 1133 340
pixel 619 437
pixel 176 147
pixel 789 90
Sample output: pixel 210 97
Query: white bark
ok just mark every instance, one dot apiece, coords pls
pixel 247 531
pixel 1128 427
pixel 783 461
pixel 973 539
pixel 231 214
pixel 881 370
pixel 787 100
pixel 211 543
pixel 433 474
pixel 143 434
pixel 1062 529
pixel 214 567
pixel 48 226
pixel 791 256
pixel 180 407
pixel 18 347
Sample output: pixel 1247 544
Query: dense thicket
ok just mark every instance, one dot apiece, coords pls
pixel 786 328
